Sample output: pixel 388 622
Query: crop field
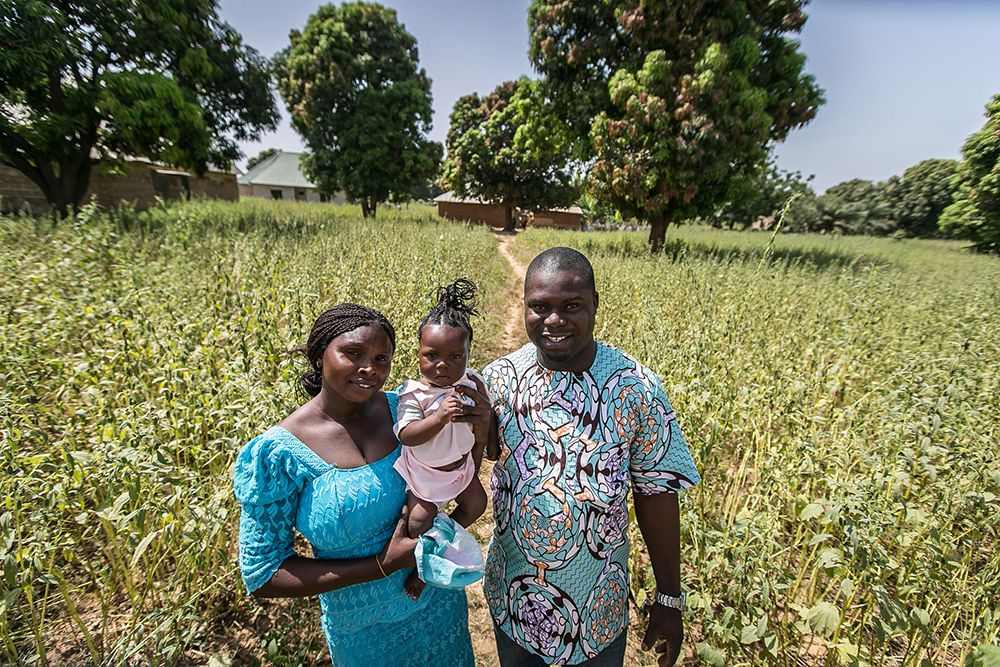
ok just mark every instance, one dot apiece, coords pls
pixel 841 397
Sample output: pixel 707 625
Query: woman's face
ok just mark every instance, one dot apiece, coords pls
pixel 356 364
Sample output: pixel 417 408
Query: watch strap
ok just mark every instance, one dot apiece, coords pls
pixel 677 602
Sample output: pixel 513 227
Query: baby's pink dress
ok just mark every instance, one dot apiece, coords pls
pixel 418 464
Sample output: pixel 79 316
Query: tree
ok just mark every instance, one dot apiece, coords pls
pixel 975 214
pixel 502 148
pixel 260 157
pixel 95 80
pixel 695 93
pixel 762 195
pixel 856 206
pixel 360 102
pixel 921 195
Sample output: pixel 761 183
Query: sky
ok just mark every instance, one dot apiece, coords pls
pixel 904 80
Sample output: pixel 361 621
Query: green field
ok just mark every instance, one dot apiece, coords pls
pixel 841 397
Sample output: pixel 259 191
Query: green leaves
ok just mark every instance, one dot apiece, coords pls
pixel 356 94
pixel 680 99
pixel 975 215
pixel 155 79
pixel 823 618
pixel 506 148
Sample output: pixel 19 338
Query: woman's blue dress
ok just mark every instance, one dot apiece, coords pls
pixel 344 513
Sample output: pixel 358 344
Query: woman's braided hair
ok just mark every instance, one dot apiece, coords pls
pixel 334 322
pixel 456 303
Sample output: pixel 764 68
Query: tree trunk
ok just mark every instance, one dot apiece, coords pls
pixel 508 219
pixel 63 184
pixel 368 205
pixel 657 232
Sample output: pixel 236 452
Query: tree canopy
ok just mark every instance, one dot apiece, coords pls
pixel 360 101
pixel 503 149
pixel 94 80
pixel 921 195
pixel 260 157
pixel 975 214
pixel 684 97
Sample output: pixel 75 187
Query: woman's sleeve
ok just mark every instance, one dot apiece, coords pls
pixel 267 482
pixel 659 456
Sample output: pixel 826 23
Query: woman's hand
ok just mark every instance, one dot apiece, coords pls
pixel 398 552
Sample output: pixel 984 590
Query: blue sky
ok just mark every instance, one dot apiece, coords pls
pixel 905 80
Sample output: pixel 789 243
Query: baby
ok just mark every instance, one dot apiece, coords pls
pixel 438 461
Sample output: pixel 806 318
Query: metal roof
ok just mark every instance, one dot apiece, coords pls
pixel 281 169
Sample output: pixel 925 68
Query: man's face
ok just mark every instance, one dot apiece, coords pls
pixel 559 314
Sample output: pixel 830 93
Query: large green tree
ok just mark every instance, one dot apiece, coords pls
pixel 680 100
pixel 503 149
pixel 975 214
pixel 360 100
pixel 93 80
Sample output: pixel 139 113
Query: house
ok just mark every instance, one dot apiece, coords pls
pixel 562 218
pixel 453 207
pixel 280 177
pixel 140 183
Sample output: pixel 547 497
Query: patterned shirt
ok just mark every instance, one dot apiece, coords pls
pixel 557 569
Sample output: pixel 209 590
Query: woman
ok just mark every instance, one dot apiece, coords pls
pixel 327 471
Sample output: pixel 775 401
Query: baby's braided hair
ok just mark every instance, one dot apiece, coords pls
pixel 456 303
pixel 334 322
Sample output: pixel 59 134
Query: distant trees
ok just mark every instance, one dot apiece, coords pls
pixel 360 101
pixel 975 215
pixel 759 196
pixel 260 157
pixel 92 81
pixel 678 101
pixel 921 195
pixel 502 148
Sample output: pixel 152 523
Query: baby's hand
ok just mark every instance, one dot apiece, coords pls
pixel 450 408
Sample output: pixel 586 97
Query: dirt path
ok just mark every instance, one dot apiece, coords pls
pixel 513 333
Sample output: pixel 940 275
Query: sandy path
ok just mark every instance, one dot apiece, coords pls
pixel 513 334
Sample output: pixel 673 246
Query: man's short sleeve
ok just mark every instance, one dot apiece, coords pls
pixel 495 376
pixel 659 456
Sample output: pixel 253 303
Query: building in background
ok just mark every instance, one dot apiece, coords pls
pixel 280 177
pixel 141 183
pixel 450 206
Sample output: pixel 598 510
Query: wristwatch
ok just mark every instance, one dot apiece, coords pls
pixel 671 601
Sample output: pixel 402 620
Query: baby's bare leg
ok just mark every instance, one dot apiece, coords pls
pixel 471 503
pixel 422 515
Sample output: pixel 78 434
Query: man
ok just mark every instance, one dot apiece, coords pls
pixel 578 422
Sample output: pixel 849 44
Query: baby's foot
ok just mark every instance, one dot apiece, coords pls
pixel 414 585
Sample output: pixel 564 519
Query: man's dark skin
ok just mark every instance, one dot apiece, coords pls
pixel 560 309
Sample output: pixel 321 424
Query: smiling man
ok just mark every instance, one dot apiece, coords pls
pixel 579 422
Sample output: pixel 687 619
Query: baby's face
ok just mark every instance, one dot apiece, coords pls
pixel 443 353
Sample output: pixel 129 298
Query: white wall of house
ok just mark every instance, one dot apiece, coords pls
pixel 287 194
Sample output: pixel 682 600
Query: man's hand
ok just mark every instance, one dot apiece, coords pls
pixel 665 634
pixel 479 415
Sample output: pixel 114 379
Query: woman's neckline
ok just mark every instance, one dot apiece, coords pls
pixel 333 466
pixel 323 462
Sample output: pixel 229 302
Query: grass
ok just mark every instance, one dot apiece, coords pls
pixel 840 396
